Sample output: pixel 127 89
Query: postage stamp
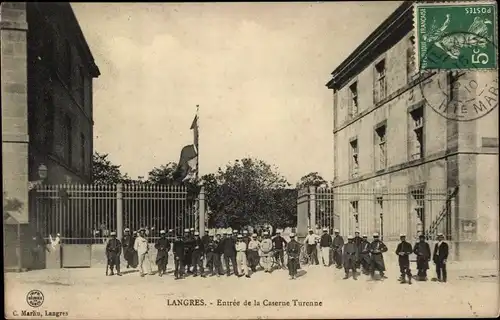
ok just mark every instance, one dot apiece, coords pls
pixel 466 32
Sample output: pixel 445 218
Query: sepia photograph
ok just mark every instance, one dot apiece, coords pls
pixel 250 160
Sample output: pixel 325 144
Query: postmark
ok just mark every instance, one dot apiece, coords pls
pixel 460 94
pixel 463 31
pixel 35 298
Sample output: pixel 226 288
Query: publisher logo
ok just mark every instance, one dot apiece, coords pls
pixel 35 298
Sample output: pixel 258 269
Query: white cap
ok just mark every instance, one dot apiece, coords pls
pixel 58 234
pixel 402 235
pixel 245 232
pixel 127 229
pixel 357 231
pixel 192 229
pixel 240 236
pixel 113 233
pixel 162 231
pixel 375 234
pixel 325 229
pixel 170 230
pixel 186 230
pixel 254 235
pixel 350 237
pixel 292 235
pixel 278 231
pixel 265 233
pixel 196 233
pixel 235 231
pixel 440 234
pixel 365 236
pixel 336 230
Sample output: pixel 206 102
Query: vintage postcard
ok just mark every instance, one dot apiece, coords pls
pixel 246 160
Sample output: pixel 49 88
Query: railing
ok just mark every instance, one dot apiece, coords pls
pixel 444 214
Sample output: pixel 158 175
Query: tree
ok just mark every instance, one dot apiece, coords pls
pixel 312 179
pixel 248 192
pixel 163 175
pixel 105 172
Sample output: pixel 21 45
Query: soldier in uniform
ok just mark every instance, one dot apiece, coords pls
pixel 205 240
pixel 230 254
pixel 403 251
pixel 163 247
pixel 364 255
pixel 241 257
pixel 350 257
pixel 279 245
pixel 357 242
pixel 440 257
pixel 338 244
pixel 128 247
pixel 377 248
pixel 325 243
pixel 219 251
pixel 113 251
pixel 179 256
pixel 253 253
pixel 423 252
pixel 197 255
pixel 293 251
pixel 188 248
pixel 210 254
pixel 266 247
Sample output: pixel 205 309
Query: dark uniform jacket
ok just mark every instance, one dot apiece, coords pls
pixel 179 248
pixel 127 242
pixel 338 242
pixel 440 252
pixel 404 247
pixel 279 243
pixel 293 249
pixel 198 245
pixel 113 248
pixel 219 246
pixel 376 248
pixel 230 246
pixel 326 240
pixel 163 247
pixel 205 239
pixel 211 246
pixel 423 252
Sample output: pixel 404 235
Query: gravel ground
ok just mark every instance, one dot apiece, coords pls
pixel 88 294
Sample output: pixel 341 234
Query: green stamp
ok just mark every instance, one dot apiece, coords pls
pixel 456 36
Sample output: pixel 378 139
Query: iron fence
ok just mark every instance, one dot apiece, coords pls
pixel 389 212
pixel 88 213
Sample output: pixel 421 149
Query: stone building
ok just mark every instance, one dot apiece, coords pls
pixel 387 137
pixel 47 71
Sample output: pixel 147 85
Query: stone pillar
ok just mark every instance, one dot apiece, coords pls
pixel 13 68
pixel 312 207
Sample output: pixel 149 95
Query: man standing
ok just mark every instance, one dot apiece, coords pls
pixel 293 251
pixel 163 247
pixel 279 245
pixel 338 244
pixel 440 257
pixel 211 255
pixel 325 243
pixel 205 239
pixel 357 242
pixel 377 248
pixel 198 250
pixel 142 247
pixel 230 254
pixel 423 252
pixel 179 256
pixel 128 247
pixel 253 253
pixel 350 257
pixel 113 251
pixel 364 255
pixel 310 242
pixel 241 257
pixel 188 249
pixel 266 247
pixel 218 252
pixel 403 251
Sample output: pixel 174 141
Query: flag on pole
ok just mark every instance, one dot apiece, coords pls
pixel 194 127
pixel 188 163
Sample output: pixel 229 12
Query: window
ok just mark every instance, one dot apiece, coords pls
pixel 354 160
pixel 416 134
pixel 410 59
pixel 380 86
pixel 418 203
pixel 68 141
pixel 354 209
pixel 380 148
pixel 83 157
pixel 353 100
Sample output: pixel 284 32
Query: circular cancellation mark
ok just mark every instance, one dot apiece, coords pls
pixel 457 96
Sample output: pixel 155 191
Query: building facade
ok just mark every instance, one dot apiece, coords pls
pixel 47 71
pixel 387 137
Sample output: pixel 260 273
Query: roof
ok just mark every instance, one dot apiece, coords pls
pixel 392 30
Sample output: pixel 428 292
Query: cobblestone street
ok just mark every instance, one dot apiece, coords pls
pixel 87 293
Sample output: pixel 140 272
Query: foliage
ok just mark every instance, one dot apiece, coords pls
pixel 105 172
pixel 312 179
pixel 249 192
pixel 163 175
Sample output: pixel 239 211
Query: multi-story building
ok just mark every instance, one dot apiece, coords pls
pixel 387 137
pixel 47 71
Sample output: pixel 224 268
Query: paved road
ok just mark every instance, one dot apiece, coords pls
pixel 87 293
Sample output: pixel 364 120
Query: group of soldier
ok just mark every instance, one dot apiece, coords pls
pixel 204 255
pixel 358 252
pixel 195 255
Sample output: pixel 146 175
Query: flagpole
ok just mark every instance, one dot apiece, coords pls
pixel 197 142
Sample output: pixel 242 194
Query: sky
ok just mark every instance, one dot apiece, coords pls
pixel 257 70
